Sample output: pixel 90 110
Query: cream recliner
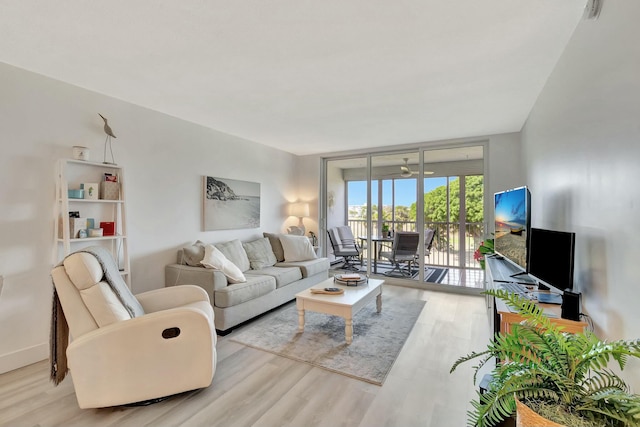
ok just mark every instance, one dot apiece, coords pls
pixel 117 359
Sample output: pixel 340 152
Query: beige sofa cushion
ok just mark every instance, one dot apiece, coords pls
pixel 214 258
pixel 254 287
pixel 235 253
pixel 308 268
pixel 276 246
pixel 284 275
pixel 192 255
pixel 260 253
pixel 297 248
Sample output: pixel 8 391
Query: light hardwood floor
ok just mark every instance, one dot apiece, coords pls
pixel 255 388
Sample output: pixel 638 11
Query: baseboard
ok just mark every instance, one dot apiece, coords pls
pixel 23 357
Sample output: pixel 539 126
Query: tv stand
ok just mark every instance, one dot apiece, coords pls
pixel 501 316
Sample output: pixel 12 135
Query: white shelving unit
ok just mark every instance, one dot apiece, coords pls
pixel 70 175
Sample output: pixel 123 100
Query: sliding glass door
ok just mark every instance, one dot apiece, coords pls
pixel 378 194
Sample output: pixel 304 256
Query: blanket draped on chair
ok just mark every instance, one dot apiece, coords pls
pixel 59 334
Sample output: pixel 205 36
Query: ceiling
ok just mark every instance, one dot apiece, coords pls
pixel 306 77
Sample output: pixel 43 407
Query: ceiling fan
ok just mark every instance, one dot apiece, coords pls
pixel 406 171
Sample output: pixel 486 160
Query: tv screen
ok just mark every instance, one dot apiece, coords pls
pixel 512 222
pixel 551 256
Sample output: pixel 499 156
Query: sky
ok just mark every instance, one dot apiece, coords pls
pixel 405 190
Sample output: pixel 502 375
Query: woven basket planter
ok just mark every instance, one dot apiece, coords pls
pixel 525 417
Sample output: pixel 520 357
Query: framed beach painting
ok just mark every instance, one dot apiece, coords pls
pixel 230 204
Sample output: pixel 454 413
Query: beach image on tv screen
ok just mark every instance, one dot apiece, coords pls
pixel 511 225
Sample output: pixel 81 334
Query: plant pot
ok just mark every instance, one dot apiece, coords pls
pixel 525 417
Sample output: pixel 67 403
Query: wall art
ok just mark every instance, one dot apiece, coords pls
pixel 230 204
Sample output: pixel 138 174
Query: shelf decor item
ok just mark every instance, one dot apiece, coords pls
pixel 76 194
pixel 80 152
pixel 76 225
pixel 90 190
pixel 95 232
pixel 108 227
pixel 110 134
pixel 109 190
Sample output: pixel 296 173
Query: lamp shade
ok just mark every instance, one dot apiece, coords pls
pixel 299 209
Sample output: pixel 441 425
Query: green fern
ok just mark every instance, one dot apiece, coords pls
pixel 541 362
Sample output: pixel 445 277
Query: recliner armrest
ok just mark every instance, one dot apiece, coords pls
pixel 175 296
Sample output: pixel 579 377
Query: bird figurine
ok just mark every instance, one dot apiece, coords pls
pixel 110 134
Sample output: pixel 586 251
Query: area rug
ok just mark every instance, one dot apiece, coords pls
pixel 377 337
pixel 432 274
pixel 435 274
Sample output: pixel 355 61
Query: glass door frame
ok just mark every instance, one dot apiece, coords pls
pixel 422 152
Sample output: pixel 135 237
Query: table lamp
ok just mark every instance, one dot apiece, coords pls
pixel 300 210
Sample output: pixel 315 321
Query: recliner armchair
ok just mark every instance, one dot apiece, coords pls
pixel 118 359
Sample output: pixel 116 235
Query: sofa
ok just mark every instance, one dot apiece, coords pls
pixel 246 279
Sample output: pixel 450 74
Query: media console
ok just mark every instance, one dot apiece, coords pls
pixel 501 316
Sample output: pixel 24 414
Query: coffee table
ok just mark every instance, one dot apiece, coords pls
pixel 345 305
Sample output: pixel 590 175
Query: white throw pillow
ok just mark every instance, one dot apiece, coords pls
pixel 215 259
pixel 297 248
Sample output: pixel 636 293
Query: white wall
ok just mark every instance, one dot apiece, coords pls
pixel 581 145
pixel 165 159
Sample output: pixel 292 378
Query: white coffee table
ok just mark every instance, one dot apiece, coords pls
pixel 345 305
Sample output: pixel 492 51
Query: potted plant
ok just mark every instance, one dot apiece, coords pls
pixel 385 230
pixel 486 247
pixel 546 368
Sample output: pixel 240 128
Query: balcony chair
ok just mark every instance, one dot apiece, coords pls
pixel 348 249
pixel 403 250
pixel 127 349
pixel 429 234
pixel 347 238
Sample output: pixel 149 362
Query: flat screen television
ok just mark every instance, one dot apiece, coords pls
pixel 551 257
pixel 512 223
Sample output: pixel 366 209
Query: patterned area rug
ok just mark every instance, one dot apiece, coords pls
pixel 377 337
pixel 436 274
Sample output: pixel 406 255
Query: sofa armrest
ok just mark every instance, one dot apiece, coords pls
pixel 174 296
pixel 208 279
pixel 131 360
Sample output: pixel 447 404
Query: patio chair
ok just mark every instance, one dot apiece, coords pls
pixel 404 250
pixel 348 249
pixel 429 234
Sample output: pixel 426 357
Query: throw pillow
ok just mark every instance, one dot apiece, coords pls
pixel 297 248
pixel 235 253
pixel 192 255
pixel 276 245
pixel 259 253
pixel 216 260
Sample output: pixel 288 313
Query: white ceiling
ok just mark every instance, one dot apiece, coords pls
pixel 304 76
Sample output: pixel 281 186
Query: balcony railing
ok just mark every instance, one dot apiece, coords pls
pixel 448 249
